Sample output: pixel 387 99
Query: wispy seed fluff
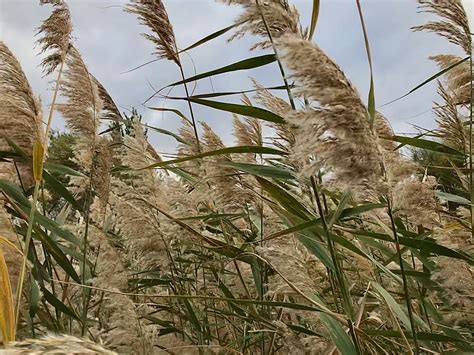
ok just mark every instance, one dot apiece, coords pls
pixel 336 135
pixel 451 127
pixel 133 201
pixel 118 314
pixel 228 190
pixel 20 113
pixel 454 24
pixel 458 79
pixel 56 36
pixel 56 344
pixel 285 139
pixel 152 13
pixel 83 111
pixel 280 17
pixel 13 258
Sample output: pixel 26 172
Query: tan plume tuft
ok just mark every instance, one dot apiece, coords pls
pixel 454 24
pixel 227 189
pixel 152 13
pixel 248 131
pixel 83 111
pixel 285 138
pixel 458 79
pixel 20 114
pixel 451 126
pixel 188 147
pixel 336 135
pixel 84 105
pixel 277 15
pixel 111 111
pixel 56 36
pixel 12 256
pixel 56 344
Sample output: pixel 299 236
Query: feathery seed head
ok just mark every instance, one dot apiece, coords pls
pixel 56 344
pixel 454 24
pixel 56 35
pixel 152 13
pixel 458 79
pixel 277 15
pixel 84 106
pixel 20 113
pixel 336 135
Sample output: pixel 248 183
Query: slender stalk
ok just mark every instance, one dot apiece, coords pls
pixel 339 275
pixel 190 108
pixel 280 65
pixel 471 175
pixel 85 304
pixel 21 279
pixel 404 278
pixel 38 180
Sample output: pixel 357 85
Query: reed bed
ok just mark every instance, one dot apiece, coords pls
pixel 323 239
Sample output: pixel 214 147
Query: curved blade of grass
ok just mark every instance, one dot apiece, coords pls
pixel 314 19
pixel 393 305
pixel 57 304
pixel 268 171
pixel 230 93
pixel 175 111
pixel 211 36
pixel 340 208
pixel 7 309
pixel 35 297
pixel 223 151
pixel 421 244
pixel 371 98
pixel 244 110
pixel 56 186
pixel 166 132
pixel 452 198
pixel 425 144
pixel 245 64
pixel 338 335
pixel 426 336
pixel 431 78
pixel 57 254
pixel 286 200
pixel 61 169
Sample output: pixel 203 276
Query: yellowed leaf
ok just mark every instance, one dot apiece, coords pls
pixel 38 156
pixel 7 310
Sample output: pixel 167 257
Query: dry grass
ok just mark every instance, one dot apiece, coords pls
pixel 322 240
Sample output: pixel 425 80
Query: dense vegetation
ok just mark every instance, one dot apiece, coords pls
pixel 324 239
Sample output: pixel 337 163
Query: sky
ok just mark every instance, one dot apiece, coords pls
pixel 110 43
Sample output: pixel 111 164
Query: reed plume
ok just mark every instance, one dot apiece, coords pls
pixel 227 191
pixel 56 36
pixel 83 112
pixel 335 136
pixel 261 17
pixel 188 146
pixel 20 116
pixel 152 13
pixel 285 138
pixel 454 24
pixel 451 124
pixel 133 201
pixel 13 258
pixel 56 344
pixel 457 79
pixel 119 321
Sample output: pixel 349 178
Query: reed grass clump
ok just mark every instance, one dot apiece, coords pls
pixel 310 234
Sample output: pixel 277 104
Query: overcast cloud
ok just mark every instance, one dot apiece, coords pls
pixel 110 43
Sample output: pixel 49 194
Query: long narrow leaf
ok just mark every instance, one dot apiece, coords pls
pixel 245 64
